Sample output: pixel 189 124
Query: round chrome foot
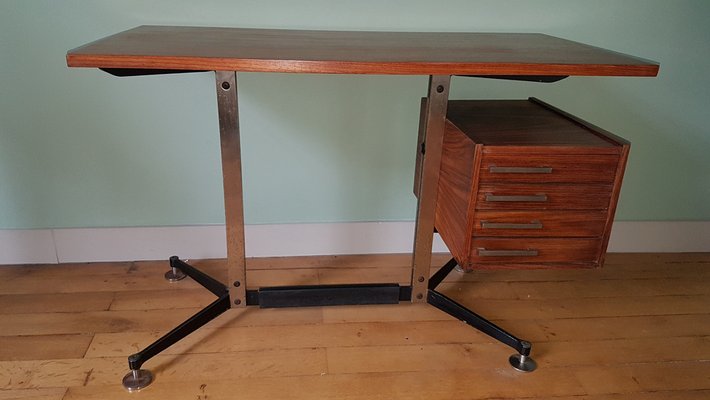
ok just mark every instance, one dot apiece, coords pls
pixel 137 379
pixel 522 363
pixel 174 275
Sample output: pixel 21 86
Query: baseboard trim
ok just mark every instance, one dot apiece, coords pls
pixel 47 246
pixel 27 246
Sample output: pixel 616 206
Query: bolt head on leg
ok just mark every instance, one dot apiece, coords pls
pixel 522 363
pixel 137 379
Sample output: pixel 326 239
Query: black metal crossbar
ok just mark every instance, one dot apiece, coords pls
pixel 328 295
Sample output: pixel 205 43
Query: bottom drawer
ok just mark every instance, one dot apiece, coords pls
pixel 533 250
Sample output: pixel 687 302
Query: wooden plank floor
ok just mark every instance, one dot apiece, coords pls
pixel 637 329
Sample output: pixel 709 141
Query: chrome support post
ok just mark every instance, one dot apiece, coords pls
pixel 228 112
pixel 434 122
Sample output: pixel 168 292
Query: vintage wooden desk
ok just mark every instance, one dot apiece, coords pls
pixel 150 50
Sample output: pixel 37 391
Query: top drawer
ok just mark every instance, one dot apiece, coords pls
pixel 548 168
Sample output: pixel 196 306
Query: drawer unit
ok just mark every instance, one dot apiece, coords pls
pixel 526 185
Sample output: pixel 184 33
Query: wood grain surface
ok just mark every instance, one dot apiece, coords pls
pixel 355 52
pixel 521 123
pixel 560 223
pixel 637 329
pixel 517 171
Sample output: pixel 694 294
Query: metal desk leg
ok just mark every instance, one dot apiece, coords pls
pixel 228 110
pixel 434 121
pixel 233 294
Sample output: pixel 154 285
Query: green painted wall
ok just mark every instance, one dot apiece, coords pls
pixel 80 148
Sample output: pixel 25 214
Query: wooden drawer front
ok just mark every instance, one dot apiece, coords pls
pixel 492 250
pixel 555 168
pixel 540 223
pixel 543 197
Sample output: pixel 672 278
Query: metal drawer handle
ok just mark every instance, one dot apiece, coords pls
pixel 536 198
pixel 519 170
pixel 503 225
pixel 506 253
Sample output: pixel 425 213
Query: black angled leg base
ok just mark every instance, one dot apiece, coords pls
pixel 521 361
pixel 138 378
pixel 320 295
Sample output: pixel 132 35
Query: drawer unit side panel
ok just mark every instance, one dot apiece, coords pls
pixel 614 202
pixel 455 191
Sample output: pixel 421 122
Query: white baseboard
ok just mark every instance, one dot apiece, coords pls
pixel 156 243
pixel 27 246
pixel 660 237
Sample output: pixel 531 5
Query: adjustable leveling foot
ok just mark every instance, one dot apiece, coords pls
pixel 522 363
pixel 137 379
pixel 174 274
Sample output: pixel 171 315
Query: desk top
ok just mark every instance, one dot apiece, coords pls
pixel 362 52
